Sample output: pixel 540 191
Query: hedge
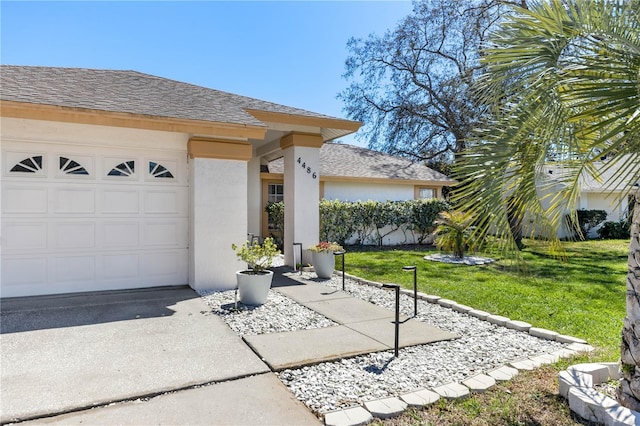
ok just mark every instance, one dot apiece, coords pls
pixel 368 222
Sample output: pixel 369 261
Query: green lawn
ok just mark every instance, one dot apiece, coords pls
pixel 582 296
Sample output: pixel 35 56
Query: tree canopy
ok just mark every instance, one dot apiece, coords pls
pixel 562 80
pixel 412 86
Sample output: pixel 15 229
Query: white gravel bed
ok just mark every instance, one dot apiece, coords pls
pixel 277 315
pixel 481 347
pixel 334 385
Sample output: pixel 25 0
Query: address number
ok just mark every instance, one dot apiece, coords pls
pixel 304 166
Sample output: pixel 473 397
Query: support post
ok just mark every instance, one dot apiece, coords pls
pixel 397 331
pixel 415 287
pixel 341 253
pixel 295 264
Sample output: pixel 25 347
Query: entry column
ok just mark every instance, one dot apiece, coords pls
pixel 301 193
pixel 218 211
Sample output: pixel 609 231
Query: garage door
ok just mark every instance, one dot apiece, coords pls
pixel 76 218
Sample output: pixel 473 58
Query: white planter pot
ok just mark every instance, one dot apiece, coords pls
pixel 253 289
pixel 323 263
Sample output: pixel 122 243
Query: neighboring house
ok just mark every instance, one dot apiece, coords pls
pixel 351 173
pixel 601 193
pixel 118 179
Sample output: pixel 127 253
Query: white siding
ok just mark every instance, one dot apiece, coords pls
pixel 348 191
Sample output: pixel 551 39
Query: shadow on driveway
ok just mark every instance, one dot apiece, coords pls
pixel 72 310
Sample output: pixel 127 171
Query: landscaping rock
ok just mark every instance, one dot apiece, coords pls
pixel 545 359
pixel 614 369
pixel 543 333
pixel 621 416
pixel 431 298
pixel 503 373
pixel 580 347
pixel 420 398
pixel 446 303
pixel 524 364
pixel 569 339
pixel 479 383
pixel 568 379
pixel 452 391
pixel 385 408
pixel 355 416
pixel 564 353
pixel 498 320
pixel 589 403
pixel 461 308
pixel 518 325
pixel 479 314
pixel 599 373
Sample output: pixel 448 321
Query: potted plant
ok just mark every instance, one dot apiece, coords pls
pixel 254 283
pixel 323 259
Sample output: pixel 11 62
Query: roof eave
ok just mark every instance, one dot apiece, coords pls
pixel 48 112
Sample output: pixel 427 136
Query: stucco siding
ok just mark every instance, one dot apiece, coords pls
pixel 346 191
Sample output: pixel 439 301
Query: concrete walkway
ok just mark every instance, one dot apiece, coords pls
pixel 64 354
pixel 159 356
pixel 363 328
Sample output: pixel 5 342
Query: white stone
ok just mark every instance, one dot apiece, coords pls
pixel 568 379
pixel 518 325
pixel 543 333
pixel 545 359
pixel 385 408
pixel 452 391
pixel 569 339
pixel 498 320
pixel 621 416
pixel 524 364
pixel 431 298
pixel 446 303
pixel 420 398
pixel 580 347
pixel 503 373
pixel 355 416
pixel 564 353
pixel 461 308
pixel 599 373
pixel 479 314
pixel 589 403
pixel 614 370
pixel 479 383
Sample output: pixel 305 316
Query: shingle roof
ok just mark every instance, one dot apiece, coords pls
pixel 132 92
pixel 342 160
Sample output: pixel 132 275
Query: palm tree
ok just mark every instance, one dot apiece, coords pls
pixel 562 85
pixel 454 232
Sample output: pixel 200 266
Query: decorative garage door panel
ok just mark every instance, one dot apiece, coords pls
pixel 79 221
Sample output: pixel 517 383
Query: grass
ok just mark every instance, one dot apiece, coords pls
pixel 531 398
pixel 583 296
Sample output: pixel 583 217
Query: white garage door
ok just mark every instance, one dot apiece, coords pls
pixel 84 219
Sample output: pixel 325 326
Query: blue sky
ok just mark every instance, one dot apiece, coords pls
pixel 291 53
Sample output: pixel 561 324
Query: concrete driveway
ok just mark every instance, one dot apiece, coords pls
pixel 66 354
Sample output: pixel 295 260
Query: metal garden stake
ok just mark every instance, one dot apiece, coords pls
pixel 415 287
pixel 397 334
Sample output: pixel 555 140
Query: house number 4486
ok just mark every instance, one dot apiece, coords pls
pixel 308 169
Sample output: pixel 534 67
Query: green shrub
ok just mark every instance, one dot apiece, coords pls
pixel 620 230
pixel 454 232
pixel 589 219
pixel 423 215
pixel 336 218
pixel 367 221
pixel 275 212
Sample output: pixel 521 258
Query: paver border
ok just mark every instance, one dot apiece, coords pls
pixel 574 346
